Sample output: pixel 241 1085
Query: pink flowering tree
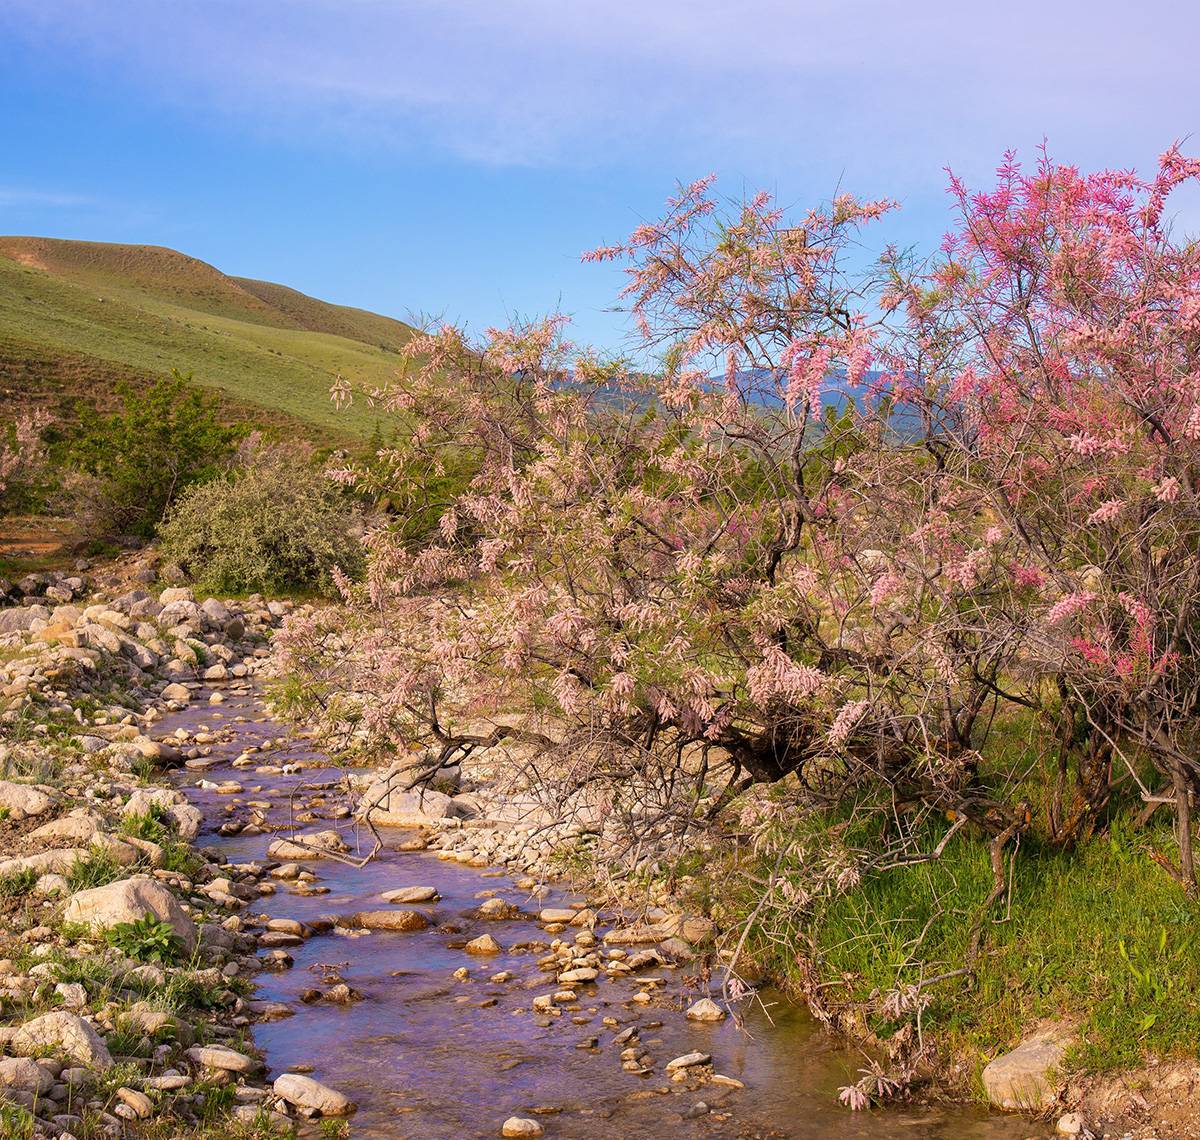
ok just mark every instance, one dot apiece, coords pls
pixel 719 555
pixel 833 524
pixel 1060 329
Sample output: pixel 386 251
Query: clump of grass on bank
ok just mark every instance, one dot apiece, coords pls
pixel 1099 936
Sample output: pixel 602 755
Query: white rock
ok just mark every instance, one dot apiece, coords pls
pixel 706 1010
pixel 521 1126
pixel 1023 1079
pixel 129 900
pixel 23 801
pixel 64 1033
pixel 304 1092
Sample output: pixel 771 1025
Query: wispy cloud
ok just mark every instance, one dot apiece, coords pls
pixel 607 82
pixel 14 197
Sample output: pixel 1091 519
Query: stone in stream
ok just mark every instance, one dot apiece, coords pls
pixel 516 1126
pixel 306 1093
pixel 484 944
pixel 688 1061
pixel 497 910
pixel 706 1010
pixel 411 895
pixel 316 845
pixel 404 920
pixel 556 915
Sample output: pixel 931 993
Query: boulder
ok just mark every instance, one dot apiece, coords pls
pixel 79 827
pixel 177 692
pixel 385 803
pixel 22 801
pixel 24 1074
pixel 63 1033
pixel 19 619
pixel 129 900
pixel 308 1094
pixel 1025 1080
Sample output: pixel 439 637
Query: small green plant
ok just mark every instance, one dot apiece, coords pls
pixel 17 883
pixel 96 869
pixel 16 1123
pixel 152 824
pixel 147 939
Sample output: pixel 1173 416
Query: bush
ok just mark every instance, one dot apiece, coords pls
pixel 146 939
pixel 131 465
pixel 279 523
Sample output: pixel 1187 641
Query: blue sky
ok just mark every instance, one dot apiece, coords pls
pixel 456 156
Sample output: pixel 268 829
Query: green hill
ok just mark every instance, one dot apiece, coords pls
pixel 78 317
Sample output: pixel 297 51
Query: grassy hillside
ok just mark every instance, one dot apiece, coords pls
pixel 77 317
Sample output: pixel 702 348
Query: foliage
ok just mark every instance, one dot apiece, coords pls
pixel 857 521
pixel 151 825
pixel 146 939
pixel 136 461
pixel 96 869
pixel 18 883
pixel 276 523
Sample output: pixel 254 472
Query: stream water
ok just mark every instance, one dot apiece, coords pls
pixel 425 1055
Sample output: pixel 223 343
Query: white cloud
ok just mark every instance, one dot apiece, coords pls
pixel 14 197
pixel 585 82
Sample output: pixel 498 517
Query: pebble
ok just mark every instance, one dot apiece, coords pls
pixel 521 1126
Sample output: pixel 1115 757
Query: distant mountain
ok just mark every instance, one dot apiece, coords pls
pixel 77 317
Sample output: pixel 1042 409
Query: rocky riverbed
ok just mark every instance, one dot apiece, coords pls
pixel 190 946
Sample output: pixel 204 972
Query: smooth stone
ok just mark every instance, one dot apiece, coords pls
pixel 706 1010
pixel 306 1093
pixel 411 895
pixel 521 1126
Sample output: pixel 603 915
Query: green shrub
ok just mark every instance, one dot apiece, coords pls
pixel 276 524
pixel 152 825
pixel 147 940
pixel 133 463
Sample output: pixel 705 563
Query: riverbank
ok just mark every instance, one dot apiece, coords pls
pixel 141 767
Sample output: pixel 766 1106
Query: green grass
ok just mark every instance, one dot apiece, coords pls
pixel 97 869
pixel 1099 936
pixel 97 313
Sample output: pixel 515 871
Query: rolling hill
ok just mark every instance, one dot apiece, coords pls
pixel 78 317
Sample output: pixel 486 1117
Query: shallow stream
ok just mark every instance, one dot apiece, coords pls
pixel 427 1056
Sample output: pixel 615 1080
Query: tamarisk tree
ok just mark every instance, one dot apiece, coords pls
pixel 851 511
